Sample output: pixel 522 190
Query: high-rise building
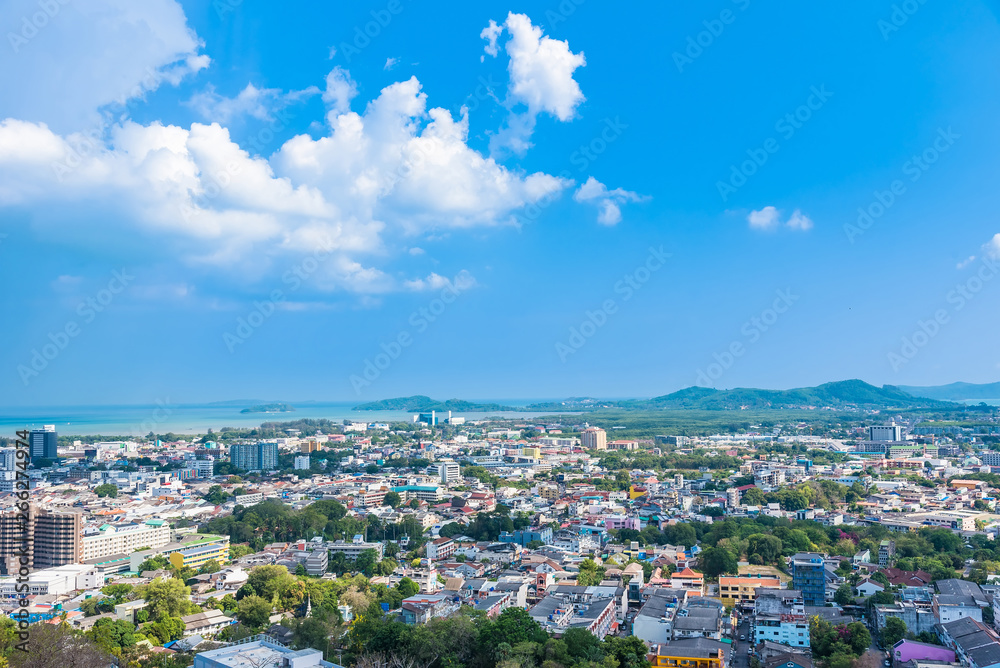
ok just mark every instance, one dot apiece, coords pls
pixel 449 471
pixel 885 433
pixel 51 539
pixel 254 456
pixel 886 551
pixel 809 577
pixel 302 463
pixel 44 442
pixel 594 438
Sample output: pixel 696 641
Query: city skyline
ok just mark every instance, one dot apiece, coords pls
pixel 234 200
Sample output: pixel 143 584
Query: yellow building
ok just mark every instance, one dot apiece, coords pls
pixel 195 555
pixel 534 453
pixel 744 588
pixel 690 653
pixel 634 492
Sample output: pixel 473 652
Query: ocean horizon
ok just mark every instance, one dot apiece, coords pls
pixel 140 419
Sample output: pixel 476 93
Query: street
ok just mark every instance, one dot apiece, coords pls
pixel 741 648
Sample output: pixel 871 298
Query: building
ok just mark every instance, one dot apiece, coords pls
pixel 780 617
pixel 49 539
pixel 809 577
pixel 254 456
pixel 198 555
pixel 594 438
pixel 958 599
pixel 44 443
pixel 976 645
pixel 302 462
pixel 206 623
pixel 886 551
pixel 53 581
pixel 441 548
pixel 654 622
pixel 449 472
pixel 525 536
pixel 557 613
pixel 907 650
pixel 260 650
pixel 744 588
pixel 112 539
pixel 354 549
pixel 885 433
pixel 691 653
pixel 204 468
pixel 428 493
pixel 688 580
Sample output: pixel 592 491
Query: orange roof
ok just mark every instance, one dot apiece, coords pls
pixel 687 573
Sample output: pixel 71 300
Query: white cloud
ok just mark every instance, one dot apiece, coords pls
pixel 92 55
pixel 766 219
pixel 608 202
pixel 966 262
pixel 416 250
pixel 363 191
pixel 340 90
pixel 992 247
pixel 462 281
pixel 390 63
pixel 799 222
pixel 541 79
pixel 259 103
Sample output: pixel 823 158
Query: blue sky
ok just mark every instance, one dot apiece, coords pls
pixel 532 199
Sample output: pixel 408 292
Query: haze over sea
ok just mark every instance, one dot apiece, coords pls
pixel 136 420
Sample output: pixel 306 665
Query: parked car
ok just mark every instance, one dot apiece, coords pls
pixel 743 636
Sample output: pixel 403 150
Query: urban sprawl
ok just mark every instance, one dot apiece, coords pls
pixel 503 543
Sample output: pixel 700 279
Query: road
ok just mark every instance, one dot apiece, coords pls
pixel 741 648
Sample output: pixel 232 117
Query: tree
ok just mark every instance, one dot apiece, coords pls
pixel 366 561
pixel 253 611
pixel 56 646
pixel 844 595
pixel 893 632
pixel 216 495
pixel 107 489
pixel 408 587
pixel 167 598
pixel 754 497
pixel 210 566
pixel 766 546
pixel 414 503
pixel 582 644
pixel 716 561
pixel 113 635
pixel 630 651
pixel 392 499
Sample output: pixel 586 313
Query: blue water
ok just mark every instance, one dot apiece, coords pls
pixel 136 420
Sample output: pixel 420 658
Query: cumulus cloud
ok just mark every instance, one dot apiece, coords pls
pixel 259 103
pixel 541 79
pixel 91 55
pixel 462 281
pixel 396 170
pixel 340 90
pixel 608 202
pixel 768 219
pixel 966 262
pixel 992 247
pixel 390 63
pixel 799 222
pixel 765 220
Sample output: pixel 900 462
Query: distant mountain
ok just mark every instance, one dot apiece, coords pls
pixel 957 391
pixel 841 394
pixel 421 404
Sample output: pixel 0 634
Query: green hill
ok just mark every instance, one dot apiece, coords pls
pixel 841 394
pixel 421 404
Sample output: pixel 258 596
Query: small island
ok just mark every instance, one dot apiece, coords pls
pixel 269 408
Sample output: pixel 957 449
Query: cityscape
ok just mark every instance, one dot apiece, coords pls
pixel 551 334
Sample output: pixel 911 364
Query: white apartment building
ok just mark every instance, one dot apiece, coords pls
pixel 449 472
pixel 113 539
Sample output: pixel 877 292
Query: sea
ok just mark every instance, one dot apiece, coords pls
pixel 139 420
